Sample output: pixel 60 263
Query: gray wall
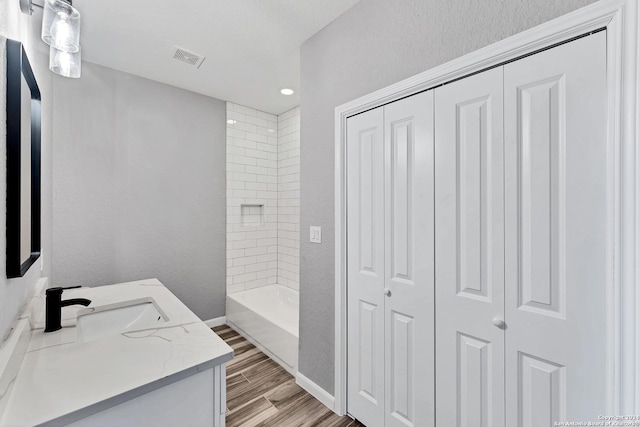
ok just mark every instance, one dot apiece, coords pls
pixel 374 44
pixel 17 26
pixel 139 186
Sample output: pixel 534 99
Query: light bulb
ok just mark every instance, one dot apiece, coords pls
pixel 61 32
pixel 61 26
pixel 67 64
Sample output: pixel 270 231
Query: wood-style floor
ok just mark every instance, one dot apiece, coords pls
pixel 261 393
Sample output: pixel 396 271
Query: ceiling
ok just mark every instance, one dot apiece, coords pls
pixel 252 47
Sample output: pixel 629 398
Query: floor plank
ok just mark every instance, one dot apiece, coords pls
pixel 241 364
pixel 304 412
pixel 259 370
pixel 251 414
pixel 260 393
pixel 286 394
pixel 245 392
pixel 332 420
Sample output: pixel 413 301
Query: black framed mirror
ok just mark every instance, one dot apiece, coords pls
pixel 23 162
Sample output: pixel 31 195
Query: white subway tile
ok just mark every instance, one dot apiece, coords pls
pixel 256 283
pixel 267 116
pixel 243 176
pixel 258 121
pixel 236 253
pixel 242 244
pixel 247 127
pixel 233 167
pixel 266 131
pixel 255 251
pixel 245 110
pixel 238 151
pixel 255 267
pixel 255 137
pixel 263 274
pixel 263 146
pixel 258 170
pixel 244 277
pixel 236 133
pixel 267 257
pixel 246 144
pixel 234 115
pixel 288 162
pixel 232 289
pixel 266 163
pixel 236 271
pixel 256 186
pixel 243 160
pixel 234 237
pixel 291 177
pixel 257 235
pixel 245 260
pixel 295 194
pixel 235 185
pixel 288 114
pixel 266 242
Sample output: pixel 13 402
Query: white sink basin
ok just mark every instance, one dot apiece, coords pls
pixel 94 323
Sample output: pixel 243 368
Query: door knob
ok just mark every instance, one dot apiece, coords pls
pixel 499 322
pixel 387 292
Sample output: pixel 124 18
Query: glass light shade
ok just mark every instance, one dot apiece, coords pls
pixel 61 26
pixel 67 64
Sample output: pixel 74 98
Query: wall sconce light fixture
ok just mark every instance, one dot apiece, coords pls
pixel 61 31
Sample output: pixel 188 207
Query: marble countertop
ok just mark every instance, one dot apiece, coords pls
pixel 60 378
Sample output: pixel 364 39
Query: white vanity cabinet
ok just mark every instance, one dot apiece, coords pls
pixel 198 400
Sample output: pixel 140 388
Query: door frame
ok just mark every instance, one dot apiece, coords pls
pixel 622 303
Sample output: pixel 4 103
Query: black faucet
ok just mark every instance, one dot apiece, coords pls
pixel 54 304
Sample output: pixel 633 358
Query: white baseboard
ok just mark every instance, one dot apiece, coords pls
pixel 316 391
pixel 216 322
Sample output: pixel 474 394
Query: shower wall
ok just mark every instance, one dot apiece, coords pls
pixel 289 198
pixel 263 198
pixel 252 198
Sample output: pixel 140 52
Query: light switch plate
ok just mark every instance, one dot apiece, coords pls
pixel 315 234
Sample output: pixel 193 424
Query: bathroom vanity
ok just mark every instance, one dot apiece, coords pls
pixel 135 356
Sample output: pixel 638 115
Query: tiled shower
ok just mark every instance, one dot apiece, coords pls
pixel 263 198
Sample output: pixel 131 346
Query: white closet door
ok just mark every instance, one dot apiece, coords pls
pixel 556 212
pixel 469 231
pixel 366 266
pixel 409 322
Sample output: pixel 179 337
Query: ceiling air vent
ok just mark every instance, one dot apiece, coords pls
pixel 187 57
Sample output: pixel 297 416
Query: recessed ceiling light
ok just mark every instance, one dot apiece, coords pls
pixel 287 91
pixel 271 130
pixel 231 122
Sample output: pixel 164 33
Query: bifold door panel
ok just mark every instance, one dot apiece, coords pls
pixel 469 252
pixel 390 272
pixel 477 221
pixel 366 275
pixel 556 215
pixel 409 324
